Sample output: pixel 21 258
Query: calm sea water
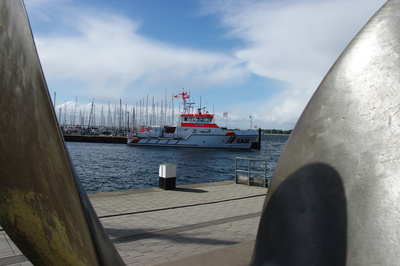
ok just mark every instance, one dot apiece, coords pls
pixel 112 167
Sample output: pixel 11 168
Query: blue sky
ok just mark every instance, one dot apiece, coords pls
pixel 258 58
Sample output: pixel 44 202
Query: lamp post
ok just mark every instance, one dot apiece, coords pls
pixel 251 122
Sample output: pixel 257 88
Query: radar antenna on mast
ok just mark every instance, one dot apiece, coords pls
pixel 186 105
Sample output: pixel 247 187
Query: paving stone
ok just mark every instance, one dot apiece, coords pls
pixel 153 226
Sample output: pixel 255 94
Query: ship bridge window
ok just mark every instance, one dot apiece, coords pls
pixel 197 119
pixel 189 119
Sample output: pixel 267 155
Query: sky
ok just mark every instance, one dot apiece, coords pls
pixel 255 58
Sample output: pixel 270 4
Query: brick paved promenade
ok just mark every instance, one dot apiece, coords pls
pixel 155 226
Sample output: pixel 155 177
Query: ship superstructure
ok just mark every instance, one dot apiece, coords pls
pixel 195 129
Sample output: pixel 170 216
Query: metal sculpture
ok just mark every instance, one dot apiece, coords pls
pixel 334 197
pixel 43 207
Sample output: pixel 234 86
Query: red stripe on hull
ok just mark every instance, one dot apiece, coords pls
pixel 198 125
pixel 197 115
pixel 231 140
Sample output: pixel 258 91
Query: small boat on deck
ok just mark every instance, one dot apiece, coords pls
pixel 197 130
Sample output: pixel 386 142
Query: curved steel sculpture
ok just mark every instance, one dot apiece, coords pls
pixel 43 207
pixel 334 198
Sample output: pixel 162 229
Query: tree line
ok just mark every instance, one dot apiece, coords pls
pixel 277 131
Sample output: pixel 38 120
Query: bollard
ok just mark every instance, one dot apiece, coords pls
pixel 167 176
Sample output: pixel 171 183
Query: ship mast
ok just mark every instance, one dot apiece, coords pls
pixel 186 106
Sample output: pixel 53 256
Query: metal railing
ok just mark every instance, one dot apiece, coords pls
pixel 254 175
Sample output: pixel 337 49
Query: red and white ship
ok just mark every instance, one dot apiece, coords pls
pixel 193 130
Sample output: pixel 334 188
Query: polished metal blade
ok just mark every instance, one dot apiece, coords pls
pixel 43 207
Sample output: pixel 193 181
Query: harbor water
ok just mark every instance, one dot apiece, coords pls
pixel 112 167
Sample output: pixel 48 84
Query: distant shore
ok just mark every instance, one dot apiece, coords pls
pixel 278 134
pixel 95 138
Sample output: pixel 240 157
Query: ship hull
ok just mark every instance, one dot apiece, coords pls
pixel 243 141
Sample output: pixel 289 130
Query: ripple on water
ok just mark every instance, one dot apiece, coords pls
pixel 111 167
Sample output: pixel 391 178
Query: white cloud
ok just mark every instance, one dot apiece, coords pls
pixel 292 42
pixel 295 42
pixel 106 53
pixel 280 111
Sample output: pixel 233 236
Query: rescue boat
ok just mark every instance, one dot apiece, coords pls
pixel 193 130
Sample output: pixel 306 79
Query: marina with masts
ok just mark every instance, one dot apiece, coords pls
pixel 114 119
pixel 151 123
